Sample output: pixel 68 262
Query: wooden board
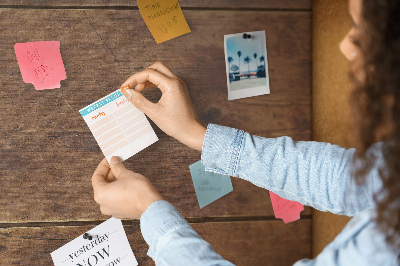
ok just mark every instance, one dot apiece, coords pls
pixel 242 243
pixel 47 153
pixel 226 4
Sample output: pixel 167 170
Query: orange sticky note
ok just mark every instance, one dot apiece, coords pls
pixel 164 18
pixel 41 64
pixel 284 209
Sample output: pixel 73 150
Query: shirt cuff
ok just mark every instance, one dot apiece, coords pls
pixel 159 218
pixel 222 148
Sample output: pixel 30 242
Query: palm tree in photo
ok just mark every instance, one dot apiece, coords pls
pixel 255 60
pixel 230 60
pixel 239 54
pixel 247 60
pixel 262 59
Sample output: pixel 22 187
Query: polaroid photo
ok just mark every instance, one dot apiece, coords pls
pixel 246 64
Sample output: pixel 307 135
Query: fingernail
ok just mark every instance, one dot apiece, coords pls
pixel 115 160
pixel 126 87
pixel 129 93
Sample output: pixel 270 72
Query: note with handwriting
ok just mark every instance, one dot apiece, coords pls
pixel 41 64
pixel 108 246
pixel 118 126
pixel 209 186
pixel 288 211
pixel 164 18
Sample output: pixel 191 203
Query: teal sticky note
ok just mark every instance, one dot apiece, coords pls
pixel 209 186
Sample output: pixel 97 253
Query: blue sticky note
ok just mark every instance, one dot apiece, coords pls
pixel 209 186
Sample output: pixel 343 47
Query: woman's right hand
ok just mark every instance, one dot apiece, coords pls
pixel 173 113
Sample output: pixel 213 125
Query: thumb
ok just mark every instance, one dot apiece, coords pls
pixel 138 100
pixel 100 174
pixel 117 168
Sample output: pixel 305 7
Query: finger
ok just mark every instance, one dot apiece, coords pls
pixel 140 102
pixel 157 78
pixel 100 174
pixel 117 167
pixel 110 177
pixel 160 67
pixel 104 210
pixel 142 86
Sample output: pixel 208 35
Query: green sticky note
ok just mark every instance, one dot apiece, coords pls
pixel 209 186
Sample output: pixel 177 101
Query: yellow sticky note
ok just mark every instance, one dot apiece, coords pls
pixel 164 18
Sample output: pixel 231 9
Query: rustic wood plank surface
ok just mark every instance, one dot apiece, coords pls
pixel 243 243
pixel 227 4
pixel 47 153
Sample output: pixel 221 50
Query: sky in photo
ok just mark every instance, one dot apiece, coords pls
pixel 248 47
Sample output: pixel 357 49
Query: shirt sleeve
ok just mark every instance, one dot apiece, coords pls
pixel 172 241
pixel 359 243
pixel 312 173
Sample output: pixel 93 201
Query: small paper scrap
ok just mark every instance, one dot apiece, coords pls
pixel 41 64
pixel 108 246
pixel 209 186
pixel 164 18
pixel 118 126
pixel 288 211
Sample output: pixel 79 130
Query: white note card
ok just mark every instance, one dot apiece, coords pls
pixel 109 247
pixel 118 126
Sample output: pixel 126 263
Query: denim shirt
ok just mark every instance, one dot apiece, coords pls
pixel 312 173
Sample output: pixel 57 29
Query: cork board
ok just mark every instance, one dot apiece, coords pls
pixel 331 89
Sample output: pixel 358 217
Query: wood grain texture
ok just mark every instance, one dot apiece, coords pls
pixel 242 243
pixel 48 154
pixel 220 4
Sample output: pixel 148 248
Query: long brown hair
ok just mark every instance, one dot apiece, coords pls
pixel 376 104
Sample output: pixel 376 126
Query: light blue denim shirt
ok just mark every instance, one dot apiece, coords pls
pixel 312 173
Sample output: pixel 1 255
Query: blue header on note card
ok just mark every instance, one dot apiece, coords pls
pixel 100 103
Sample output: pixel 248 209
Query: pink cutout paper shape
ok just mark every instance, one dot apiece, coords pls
pixel 288 211
pixel 41 64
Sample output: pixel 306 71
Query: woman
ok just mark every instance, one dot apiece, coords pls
pixel 320 175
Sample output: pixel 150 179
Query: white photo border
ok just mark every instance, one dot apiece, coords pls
pixel 248 92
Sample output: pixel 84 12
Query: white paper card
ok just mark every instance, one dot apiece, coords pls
pixel 109 247
pixel 118 126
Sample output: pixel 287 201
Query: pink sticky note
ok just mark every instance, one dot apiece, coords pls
pixel 41 64
pixel 284 209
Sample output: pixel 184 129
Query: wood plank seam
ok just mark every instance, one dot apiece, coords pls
pixel 134 222
pixel 136 8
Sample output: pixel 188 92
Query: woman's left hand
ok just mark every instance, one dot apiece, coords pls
pixel 122 193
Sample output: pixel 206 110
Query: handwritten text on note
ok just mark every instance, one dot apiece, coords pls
pixel 118 126
pixel 164 18
pixel 209 186
pixel 288 211
pixel 41 64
